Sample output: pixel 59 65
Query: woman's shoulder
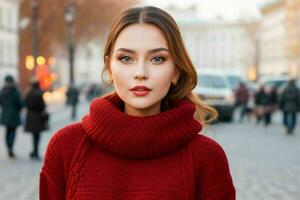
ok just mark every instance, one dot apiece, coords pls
pixel 61 150
pixel 207 150
pixel 204 142
pixel 66 139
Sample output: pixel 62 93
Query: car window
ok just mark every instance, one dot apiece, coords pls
pixel 276 83
pixel 211 81
pixel 234 81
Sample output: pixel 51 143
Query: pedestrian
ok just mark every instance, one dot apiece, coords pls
pixel 271 105
pixel 142 141
pixel 290 104
pixel 95 90
pixel 11 104
pixel 72 100
pixel 36 117
pixel 242 98
pixel 260 100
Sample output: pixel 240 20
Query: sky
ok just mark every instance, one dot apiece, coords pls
pixel 209 9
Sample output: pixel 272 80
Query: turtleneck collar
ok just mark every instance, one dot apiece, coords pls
pixel 134 137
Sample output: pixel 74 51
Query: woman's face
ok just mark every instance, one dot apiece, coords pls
pixel 142 69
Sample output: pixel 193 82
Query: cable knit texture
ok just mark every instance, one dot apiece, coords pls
pixel 111 155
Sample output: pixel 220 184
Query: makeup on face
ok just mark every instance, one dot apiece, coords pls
pixel 142 68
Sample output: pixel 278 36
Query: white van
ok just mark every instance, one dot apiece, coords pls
pixel 214 88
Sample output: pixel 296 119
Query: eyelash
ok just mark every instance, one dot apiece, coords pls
pixel 120 58
pixel 162 58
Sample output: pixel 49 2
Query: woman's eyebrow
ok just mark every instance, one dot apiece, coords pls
pixel 150 51
pixel 126 50
pixel 158 50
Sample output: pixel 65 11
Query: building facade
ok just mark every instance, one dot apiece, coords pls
pixel 274 60
pixel 292 24
pixel 9 17
pixel 280 38
pixel 88 64
pixel 217 44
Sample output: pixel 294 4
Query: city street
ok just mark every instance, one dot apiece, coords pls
pixel 264 161
pixel 229 53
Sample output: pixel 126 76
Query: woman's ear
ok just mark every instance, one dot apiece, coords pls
pixel 107 66
pixel 176 77
pixel 106 60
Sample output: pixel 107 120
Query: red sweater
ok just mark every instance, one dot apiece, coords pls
pixel 112 156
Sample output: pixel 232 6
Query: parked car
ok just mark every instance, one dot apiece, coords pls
pixel 269 81
pixel 281 88
pixel 234 80
pixel 214 88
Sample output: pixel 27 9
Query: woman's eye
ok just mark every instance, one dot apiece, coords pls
pixel 125 59
pixel 158 59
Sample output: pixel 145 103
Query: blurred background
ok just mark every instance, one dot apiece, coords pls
pixel 246 53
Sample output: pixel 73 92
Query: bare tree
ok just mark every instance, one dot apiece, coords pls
pixel 93 18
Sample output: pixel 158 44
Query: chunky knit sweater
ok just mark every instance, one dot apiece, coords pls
pixel 113 156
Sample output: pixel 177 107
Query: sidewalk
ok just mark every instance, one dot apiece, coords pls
pixel 19 177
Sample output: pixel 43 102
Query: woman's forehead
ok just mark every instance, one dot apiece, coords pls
pixel 141 37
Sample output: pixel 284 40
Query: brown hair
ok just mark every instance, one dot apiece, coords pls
pixel 188 76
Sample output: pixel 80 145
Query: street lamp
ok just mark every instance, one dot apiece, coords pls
pixel 70 14
pixel 35 33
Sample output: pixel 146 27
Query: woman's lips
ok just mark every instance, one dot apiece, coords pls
pixel 140 90
pixel 140 93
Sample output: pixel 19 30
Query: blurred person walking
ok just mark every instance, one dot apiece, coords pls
pixel 95 90
pixel 72 100
pixel 260 100
pixel 242 97
pixel 37 117
pixel 289 103
pixel 11 103
pixel 271 105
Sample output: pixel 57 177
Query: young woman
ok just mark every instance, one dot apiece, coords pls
pixel 143 140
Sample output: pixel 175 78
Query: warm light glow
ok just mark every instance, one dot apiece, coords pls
pixel 40 60
pixel 56 96
pixel 29 62
pixel 51 61
pixel 46 95
pixel 252 75
pixel 54 77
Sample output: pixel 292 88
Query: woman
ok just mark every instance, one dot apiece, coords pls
pixel 35 118
pixel 141 141
pixel 11 103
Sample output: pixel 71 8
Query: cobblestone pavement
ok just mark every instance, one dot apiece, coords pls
pixel 19 177
pixel 264 161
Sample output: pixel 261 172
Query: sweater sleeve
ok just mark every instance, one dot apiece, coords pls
pixel 52 181
pixel 214 180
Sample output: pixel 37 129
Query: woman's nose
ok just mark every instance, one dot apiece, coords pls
pixel 141 72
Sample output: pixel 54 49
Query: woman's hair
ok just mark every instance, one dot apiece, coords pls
pixel 188 76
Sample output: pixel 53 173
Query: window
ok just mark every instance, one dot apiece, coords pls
pixel 1 52
pixel 9 19
pixel 1 16
pixel 211 81
pixel 234 81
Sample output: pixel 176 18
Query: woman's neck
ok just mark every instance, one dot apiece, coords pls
pixel 152 110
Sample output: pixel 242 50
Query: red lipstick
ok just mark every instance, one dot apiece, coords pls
pixel 140 90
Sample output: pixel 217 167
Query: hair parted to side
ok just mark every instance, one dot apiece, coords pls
pixel 188 76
